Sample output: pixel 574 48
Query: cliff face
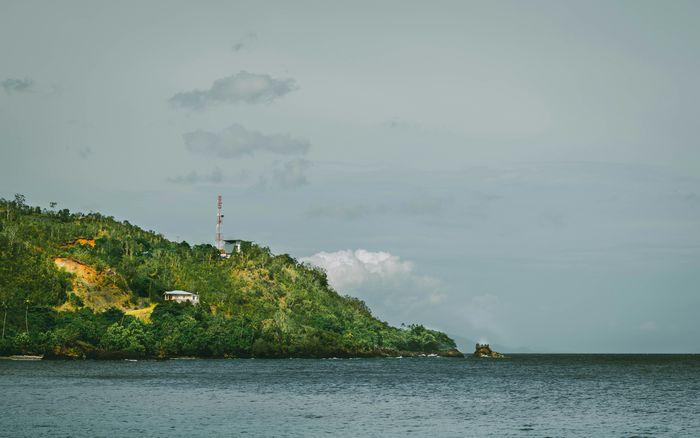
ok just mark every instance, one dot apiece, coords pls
pixel 484 351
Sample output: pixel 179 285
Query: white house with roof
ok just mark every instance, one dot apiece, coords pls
pixel 181 296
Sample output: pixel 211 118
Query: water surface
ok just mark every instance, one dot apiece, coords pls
pixel 526 395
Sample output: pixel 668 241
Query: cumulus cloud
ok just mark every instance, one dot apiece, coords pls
pixel 394 289
pixel 387 283
pixel 16 85
pixel 243 87
pixel 349 268
pixel 215 177
pixel 236 141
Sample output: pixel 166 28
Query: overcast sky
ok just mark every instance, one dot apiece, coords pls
pixel 522 173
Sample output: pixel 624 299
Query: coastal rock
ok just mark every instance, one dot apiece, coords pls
pixel 451 353
pixel 484 351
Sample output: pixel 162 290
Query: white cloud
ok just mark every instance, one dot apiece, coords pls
pixel 17 85
pixel 350 268
pixel 243 87
pixel 396 292
pixel 389 285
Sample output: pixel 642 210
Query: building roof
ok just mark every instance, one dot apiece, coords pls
pixel 178 292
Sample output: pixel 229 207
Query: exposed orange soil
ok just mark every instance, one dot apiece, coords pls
pixel 81 241
pixel 95 289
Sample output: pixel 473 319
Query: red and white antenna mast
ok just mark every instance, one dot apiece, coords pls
pixel 219 217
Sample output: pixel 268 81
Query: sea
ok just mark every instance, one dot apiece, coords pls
pixel 523 395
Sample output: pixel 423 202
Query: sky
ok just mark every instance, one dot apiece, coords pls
pixel 520 173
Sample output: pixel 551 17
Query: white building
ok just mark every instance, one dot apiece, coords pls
pixel 235 246
pixel 181 296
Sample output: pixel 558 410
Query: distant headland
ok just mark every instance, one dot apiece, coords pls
pixel 76 285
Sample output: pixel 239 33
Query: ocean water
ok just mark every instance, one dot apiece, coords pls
pixel 526 395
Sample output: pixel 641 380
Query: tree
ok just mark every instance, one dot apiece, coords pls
pixel 20 200
pixel 26 314
pixel 132 339
pixel 4 318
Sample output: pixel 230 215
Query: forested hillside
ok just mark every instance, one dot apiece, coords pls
pixel 86 285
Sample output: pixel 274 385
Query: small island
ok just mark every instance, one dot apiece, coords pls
pixel 484 351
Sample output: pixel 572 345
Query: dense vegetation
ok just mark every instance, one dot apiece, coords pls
pixel 252 304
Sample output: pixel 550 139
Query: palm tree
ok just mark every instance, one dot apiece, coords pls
pixel 4 319
pixel 26 314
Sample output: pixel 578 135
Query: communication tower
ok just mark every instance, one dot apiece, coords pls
pixel 219 217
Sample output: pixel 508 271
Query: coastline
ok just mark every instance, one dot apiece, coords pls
pixel 385 353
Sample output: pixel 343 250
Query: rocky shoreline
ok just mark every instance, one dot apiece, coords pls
pixel 96 354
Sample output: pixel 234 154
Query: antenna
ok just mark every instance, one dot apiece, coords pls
pixel 219 217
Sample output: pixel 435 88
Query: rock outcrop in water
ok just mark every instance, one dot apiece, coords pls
pixel 484 351
pixel 451 353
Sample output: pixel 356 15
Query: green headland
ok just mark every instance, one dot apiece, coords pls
pixel 76 285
